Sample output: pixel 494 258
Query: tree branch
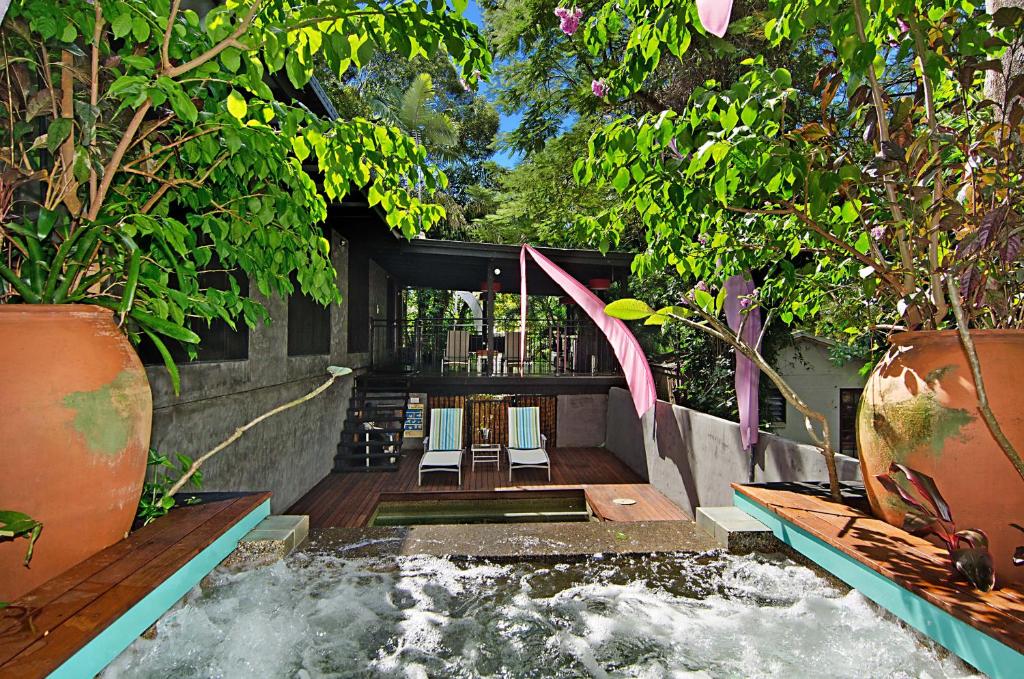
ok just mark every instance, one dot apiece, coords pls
pixel 335 374
pixel 165 48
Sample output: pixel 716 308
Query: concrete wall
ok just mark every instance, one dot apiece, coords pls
pixel 581 420
pixel 289 454
pixel 807 368
pixel 693 458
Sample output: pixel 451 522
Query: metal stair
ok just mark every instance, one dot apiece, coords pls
pixel 371 440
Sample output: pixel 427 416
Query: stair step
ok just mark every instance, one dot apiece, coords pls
pixel 360 444
pixel 359 431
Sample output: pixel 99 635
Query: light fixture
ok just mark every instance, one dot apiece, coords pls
pixel 497 272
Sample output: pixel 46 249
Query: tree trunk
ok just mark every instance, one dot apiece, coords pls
pixel 1013 62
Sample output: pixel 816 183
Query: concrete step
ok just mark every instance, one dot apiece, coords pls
pixel 735 530
pixel 273 538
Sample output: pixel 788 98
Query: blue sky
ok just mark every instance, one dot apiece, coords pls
pixel 508 123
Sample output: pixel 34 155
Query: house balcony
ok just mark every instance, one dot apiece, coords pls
pixel 446 356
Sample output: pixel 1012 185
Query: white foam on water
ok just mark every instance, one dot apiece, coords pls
pixel 673 616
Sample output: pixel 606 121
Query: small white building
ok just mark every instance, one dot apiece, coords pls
pixel 832 389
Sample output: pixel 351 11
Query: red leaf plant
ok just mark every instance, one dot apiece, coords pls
pixel 929 514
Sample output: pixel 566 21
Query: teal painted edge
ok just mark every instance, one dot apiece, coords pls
pixel 108 644
pixel 986 653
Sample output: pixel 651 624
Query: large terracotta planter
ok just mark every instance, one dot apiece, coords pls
pixel 75 415
pixel 920 409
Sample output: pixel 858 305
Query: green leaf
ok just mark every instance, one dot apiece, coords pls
pixel 140 29
pixel 621 179
pixel 121 25
pixel 863 244
pixel 704 300
pixel 236 105
pixel 58 131
pixel 849 212
pixel 729 118
pixel 172 368
pixel 629 309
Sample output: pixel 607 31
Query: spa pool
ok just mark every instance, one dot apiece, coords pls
pixel 668 615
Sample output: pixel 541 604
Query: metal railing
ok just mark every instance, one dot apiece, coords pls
pixel 446 346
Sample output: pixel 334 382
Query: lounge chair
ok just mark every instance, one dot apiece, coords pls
pixel 443 448
pixel 512 356
pixel 527 447
pixel 456 349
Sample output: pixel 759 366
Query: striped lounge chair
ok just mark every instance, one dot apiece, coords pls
pixel 527 447
pixel 443 448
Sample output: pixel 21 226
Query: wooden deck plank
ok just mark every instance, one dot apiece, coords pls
pixel 349 500
pixel 912 562
pixel 46 627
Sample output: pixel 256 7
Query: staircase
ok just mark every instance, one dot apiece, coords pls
pixel 371 440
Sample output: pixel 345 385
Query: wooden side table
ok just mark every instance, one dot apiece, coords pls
pixel 486 452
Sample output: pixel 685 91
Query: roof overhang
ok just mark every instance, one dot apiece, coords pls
pixel 460 265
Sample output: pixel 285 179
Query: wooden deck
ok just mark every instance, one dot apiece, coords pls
pixel 348 500
pixel 45 628
pixel 913 563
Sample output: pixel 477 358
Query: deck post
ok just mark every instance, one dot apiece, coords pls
pixel 489 317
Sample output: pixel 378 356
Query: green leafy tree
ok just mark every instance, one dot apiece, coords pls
pixel 378 92
pixel 900 193
pixel 143 144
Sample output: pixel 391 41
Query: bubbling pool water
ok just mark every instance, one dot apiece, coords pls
pixel 669 615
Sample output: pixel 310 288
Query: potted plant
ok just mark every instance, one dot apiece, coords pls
pixel 143 146
pixel 878 195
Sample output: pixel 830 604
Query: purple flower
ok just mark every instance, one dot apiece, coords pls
pixel 703 239
pixel 569 19
pixel 465 85
pixel 745 302
pixel 702 286
pixel 904 26
pixel 599 88
pixel 878 232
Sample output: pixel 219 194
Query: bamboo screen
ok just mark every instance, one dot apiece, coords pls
pixel 486 410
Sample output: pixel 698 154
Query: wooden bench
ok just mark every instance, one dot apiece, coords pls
pixel 76 623
pixel 905 574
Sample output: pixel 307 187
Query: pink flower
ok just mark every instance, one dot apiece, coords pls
pixel 903 25
pixel 569 19
pixel 878 232
pixel 599 88
pixel 703 239
pixel 746 302
pixel 702 286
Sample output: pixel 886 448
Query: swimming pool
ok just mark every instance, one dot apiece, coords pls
pixel 666 615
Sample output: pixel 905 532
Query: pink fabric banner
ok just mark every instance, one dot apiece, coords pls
pixel 748 377
pixel 627 350
pixel 714 15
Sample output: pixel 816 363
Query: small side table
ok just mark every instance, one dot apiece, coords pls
pixel 486 452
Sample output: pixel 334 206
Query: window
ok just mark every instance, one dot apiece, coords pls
pixel 849 400
pixel 217 341
pixel 309 325
pixel 775 406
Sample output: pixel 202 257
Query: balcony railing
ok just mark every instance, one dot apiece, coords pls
pixel 445 346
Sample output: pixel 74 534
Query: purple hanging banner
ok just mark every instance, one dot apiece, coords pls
pixel 741 308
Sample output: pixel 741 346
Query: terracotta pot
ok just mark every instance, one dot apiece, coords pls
pixel 75 416
pixel 920 409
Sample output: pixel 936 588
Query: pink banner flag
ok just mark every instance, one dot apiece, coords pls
pixel 741 310
pixel 627 350
pixel 714 15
